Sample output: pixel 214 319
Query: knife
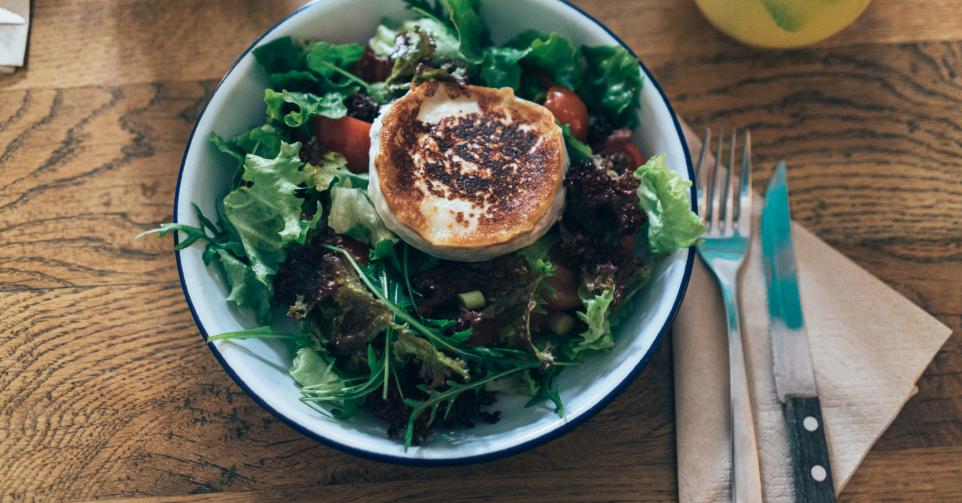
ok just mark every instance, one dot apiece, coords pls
pixel 794 375
pixel 10 17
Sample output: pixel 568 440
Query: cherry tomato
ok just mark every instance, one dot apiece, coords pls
pixel 620 143
pixel 565 285
pixel 347 136
pixel 633 154
pixel 568 108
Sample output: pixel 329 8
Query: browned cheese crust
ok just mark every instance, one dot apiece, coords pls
pixel 513 169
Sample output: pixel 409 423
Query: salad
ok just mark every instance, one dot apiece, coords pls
pixel 376 326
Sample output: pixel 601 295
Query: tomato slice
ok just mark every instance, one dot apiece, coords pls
pixel 568 108
pixel 620 143
pixel 564 282
pixel 347 136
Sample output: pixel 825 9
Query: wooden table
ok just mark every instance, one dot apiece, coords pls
pixel 107 391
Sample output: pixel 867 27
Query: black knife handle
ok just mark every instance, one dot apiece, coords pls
pixel 806 433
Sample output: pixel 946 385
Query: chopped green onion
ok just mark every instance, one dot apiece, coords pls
pixel 471 300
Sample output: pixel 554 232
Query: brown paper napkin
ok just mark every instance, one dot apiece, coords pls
pixel 13 38
pixel 869 346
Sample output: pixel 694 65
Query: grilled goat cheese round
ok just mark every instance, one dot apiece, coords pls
pixel 467 173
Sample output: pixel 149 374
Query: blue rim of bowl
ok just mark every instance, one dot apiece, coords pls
pixel 491 456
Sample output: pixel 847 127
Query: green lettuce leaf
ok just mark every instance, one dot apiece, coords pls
pixel 466 18
pixel 432 9
pixel 445 42
pixel 435 365
pixel 508 312
pixel 309 368
pixel 577 150
pixel 323 57
pixel 333 172
pixel 597 336
pixel 382 43
pixel 305 106
pixel 499 67
pixel 295 79
pixel 246 289
pixel 264 141
pixel 409 51
pixel 318 68
pixel 353 214
pixel 612 84
pixel 556 56
pixel 361 316
pixel 265 212
pixel 537 254
pixel 664 195
pixel 520 383
pixel 281 55
pixel 553 54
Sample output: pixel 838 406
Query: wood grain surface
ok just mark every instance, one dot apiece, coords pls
pixel 106 390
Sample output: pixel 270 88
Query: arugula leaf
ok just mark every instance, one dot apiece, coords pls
pixel 220 240
pixel 499 356
pixel 346 390
pixel 435 365
pixel 265 212
pixel 306 106
pixel 264 332
pixel 548 390
pixel 664 195
pixel 445 398
pixel 353 214
pixel 598 335
pixel 612 84
pixel 499 67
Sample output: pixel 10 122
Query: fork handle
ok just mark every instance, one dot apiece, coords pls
pixel 746 475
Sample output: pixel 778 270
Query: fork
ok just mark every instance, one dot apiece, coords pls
pixel 728 216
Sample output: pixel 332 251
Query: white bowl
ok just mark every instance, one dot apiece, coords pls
pixel 260 367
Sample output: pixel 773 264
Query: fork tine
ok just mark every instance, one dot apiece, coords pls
pixel 714 200
pixel 701 174
pixel 730 194
pixel 745 207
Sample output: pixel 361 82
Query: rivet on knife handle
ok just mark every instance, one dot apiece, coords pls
pixel 806 432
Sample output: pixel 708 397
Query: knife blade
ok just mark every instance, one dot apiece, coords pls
pixel 10 17
pixel 791 355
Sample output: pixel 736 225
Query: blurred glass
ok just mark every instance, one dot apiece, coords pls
pixel 781 23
